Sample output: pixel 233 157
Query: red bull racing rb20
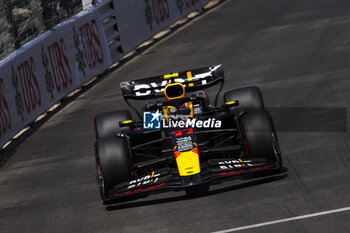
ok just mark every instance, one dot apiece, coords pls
pixel 183 141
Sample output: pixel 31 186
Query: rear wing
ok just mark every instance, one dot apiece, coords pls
pixel 153 87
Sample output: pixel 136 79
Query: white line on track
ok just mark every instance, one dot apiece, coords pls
pixel 285 220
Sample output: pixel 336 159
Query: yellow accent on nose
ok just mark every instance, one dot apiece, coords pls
pixel 167 76
pixel 188 163
pixel 127 122
pixel 231 102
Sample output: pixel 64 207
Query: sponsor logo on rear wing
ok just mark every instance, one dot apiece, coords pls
pixel 192 80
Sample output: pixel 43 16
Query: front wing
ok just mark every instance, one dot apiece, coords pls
pixel 214 171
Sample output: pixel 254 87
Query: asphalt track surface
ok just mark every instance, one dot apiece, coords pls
pixel 297 51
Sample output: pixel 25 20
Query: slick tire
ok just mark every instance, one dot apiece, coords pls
pixel 112 163
pixel 248 97
pixel 259 136
pixel 107 124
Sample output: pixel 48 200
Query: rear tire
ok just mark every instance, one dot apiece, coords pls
pixel 107 124
pixel 260 139
pixel 112 163
pixel 248 97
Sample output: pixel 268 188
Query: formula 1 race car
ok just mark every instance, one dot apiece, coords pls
pixel 183 142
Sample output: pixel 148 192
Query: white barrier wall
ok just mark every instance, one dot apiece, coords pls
pixel 138 20
pixel 45 70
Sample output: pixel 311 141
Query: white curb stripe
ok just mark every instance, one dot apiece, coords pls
pixel 285 220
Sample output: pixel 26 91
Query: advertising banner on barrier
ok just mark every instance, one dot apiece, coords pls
pixel 48 68
pixel 138 20
pixel 7 104
pixel 92 54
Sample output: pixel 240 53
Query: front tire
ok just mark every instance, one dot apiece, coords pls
pixel 112 163
pixel 259 136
